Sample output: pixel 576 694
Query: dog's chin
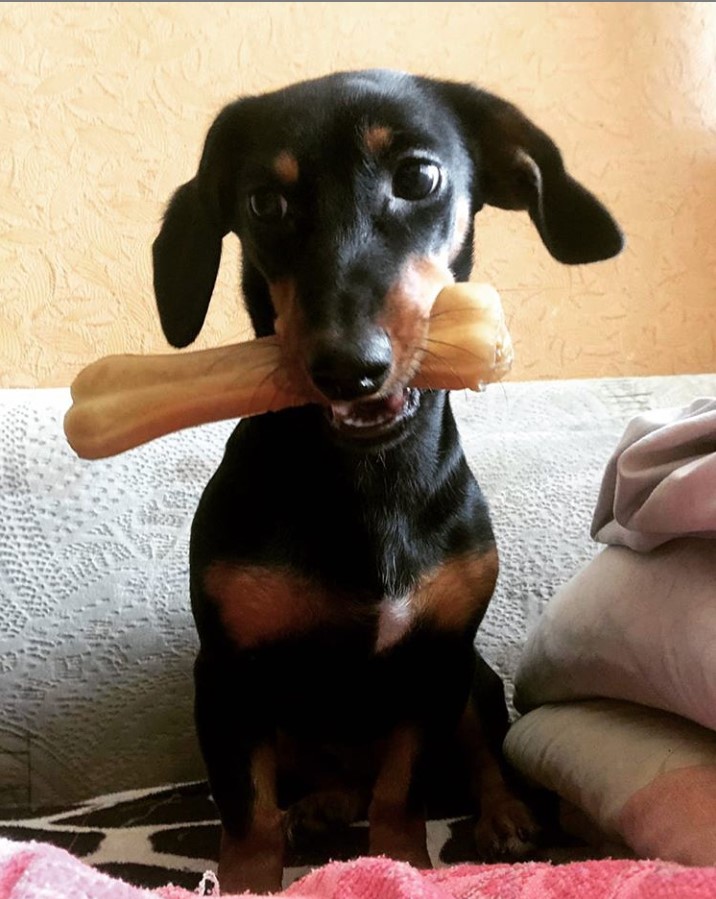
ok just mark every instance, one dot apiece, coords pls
pixel 373 425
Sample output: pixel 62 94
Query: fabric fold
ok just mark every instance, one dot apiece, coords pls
pixel 660 483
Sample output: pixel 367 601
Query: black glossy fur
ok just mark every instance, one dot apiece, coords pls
pixel 363 520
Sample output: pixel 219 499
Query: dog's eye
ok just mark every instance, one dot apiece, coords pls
pixel 268 205
pixel 415 179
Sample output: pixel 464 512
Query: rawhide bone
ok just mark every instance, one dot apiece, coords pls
pixel 120 402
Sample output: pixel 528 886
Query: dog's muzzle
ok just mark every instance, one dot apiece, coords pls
pixel 376 419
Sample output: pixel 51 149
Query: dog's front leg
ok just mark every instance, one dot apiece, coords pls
pixel 240 756
pixel 396 815
pixel 506 828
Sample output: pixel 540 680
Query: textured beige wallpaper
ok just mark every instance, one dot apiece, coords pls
pixel 103 109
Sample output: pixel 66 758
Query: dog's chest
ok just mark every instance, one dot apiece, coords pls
pixel 259 606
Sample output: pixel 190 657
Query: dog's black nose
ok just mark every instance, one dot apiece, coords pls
pixel 350 369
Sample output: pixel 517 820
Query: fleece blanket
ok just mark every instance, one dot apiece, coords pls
pixel 36 871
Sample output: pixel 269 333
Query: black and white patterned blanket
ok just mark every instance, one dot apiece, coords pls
pixel 170 834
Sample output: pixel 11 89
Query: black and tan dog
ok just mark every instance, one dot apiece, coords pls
pixel 342 556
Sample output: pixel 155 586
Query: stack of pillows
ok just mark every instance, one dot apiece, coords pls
pixel 617 682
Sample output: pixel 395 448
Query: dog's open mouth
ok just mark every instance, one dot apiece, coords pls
pixel 375 419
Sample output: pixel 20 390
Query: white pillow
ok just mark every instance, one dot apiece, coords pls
pixel 633 626
pixel 645 777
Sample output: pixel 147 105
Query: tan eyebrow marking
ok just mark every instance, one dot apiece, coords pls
pixel 286 167
pixel 377 139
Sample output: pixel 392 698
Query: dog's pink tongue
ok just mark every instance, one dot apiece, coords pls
pixel 395 402
pixel 387 404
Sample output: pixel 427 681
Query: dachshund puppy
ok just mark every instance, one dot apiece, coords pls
pixel 342 556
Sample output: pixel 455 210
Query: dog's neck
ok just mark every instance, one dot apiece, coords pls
pixel 415 463
pixel 393 490
pixel 374 519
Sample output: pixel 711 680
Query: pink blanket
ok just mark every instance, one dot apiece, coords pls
pixel 38 871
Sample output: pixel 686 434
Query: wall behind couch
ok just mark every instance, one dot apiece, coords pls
pixel 103 109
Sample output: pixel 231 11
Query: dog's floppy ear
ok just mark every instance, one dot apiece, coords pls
pixel 187 250
pixel 520 167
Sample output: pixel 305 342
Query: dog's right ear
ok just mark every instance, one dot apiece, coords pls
pixel 187 250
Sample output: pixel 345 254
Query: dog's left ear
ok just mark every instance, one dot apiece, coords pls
pixel 519 167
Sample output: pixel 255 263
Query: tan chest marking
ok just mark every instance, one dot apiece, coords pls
pixel 456 594
pixel 395 618
pixel 451 597
pixel 260 605
pixel 257 605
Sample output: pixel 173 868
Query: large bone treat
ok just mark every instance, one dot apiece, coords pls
pixel 120 402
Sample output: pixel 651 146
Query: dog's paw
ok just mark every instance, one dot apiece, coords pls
pixel 506 830
pixel 253 863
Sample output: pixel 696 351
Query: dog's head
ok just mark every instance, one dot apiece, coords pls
pixel 354 197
